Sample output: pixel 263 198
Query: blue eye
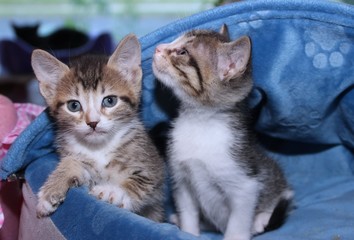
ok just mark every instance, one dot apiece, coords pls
pixel 73 106
pixel 109 101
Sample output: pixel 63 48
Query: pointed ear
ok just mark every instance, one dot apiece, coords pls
pixel 234 58
pixel 126 59
pixel 225 32
pixel 48 71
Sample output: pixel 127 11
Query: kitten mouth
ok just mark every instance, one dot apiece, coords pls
pixel 95 132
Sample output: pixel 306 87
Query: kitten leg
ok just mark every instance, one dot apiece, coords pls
pixel 69 173
pixel 243 205
pixel 188 211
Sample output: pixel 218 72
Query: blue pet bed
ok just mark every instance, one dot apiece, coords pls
pixel 303 105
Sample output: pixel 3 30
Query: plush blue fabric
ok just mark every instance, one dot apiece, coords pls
pixel 303 102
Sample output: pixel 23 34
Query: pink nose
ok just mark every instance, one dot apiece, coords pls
pixel 160 48
pixel 92 125
pixel 157 49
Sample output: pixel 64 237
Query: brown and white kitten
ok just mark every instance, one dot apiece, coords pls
pixel 101 141
pixel 218 171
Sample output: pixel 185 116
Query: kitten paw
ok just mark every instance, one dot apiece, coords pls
pixel 237 238
pixel 174 219
pixel 48 202
pixel 113 195
pixel 260 222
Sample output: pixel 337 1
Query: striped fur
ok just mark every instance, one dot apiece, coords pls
pixel 218 170
pixel 189 65
pixel 103 144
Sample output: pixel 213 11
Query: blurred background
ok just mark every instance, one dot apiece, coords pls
pixel 118 17
pixel 68 28
pixel 74 27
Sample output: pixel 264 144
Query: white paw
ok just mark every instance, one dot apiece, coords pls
pixel 174 219
pixel 260 222
pixel 237 234
pixel 48 203
pixel 113 195
pixel 237 238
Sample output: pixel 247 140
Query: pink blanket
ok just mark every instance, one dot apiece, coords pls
pixel 26 113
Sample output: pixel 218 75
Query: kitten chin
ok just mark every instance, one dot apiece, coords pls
pixel 94 140
pixel 217 166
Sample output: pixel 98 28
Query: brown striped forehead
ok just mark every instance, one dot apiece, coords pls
pixel 197 42
pixel 188 68
pixel 88 70
pixel 205 35
pixel 90 74
pixel 179 42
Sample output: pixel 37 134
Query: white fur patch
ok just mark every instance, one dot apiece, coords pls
pixel 201 154
pixel 260 222
pixel 44 207
pixel 100 155
pixel 204 138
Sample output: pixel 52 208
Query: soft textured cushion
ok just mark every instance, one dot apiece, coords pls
pixel 303 104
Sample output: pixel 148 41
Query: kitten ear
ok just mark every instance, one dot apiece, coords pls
pixel 48 70
pixel 233 60
pixel 126 59
pixel 224 30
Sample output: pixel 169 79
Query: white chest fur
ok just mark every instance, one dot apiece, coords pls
pixel 201 157
pixel 202 137
pixel 102 155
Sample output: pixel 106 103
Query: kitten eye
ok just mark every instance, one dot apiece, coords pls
pixel 109 101
pixel 182 51
pixel 73 106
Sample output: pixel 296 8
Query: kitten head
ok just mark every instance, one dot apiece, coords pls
pixel 205 68
pixel 93 97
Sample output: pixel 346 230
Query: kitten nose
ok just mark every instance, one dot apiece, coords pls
pixel 160 48
pixel 92 125
pixel 157 49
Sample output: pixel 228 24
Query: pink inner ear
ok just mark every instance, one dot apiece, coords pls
pixel 232 66
pixel 227 71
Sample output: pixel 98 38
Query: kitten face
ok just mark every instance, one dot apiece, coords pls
pixel 203 67
pixel 97 104
pixel 95 96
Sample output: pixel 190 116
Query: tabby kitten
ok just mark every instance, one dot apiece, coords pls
pixel 101 141
pixel 218 171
